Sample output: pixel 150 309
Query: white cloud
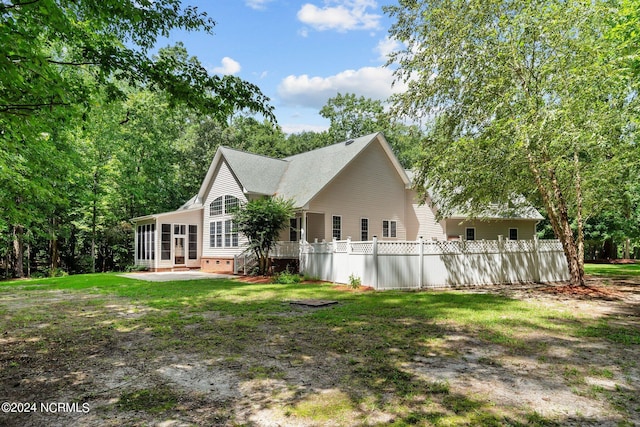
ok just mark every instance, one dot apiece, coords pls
pixel 229 66
pixel 344 16
pixel 385 47
pixel 300 127
pixel 313 92
pixel 257 4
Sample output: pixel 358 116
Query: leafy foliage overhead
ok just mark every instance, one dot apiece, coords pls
pixel 45 43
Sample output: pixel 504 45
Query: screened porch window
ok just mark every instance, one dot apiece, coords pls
pixel 193 242
pixel 146 241
pixel 165 242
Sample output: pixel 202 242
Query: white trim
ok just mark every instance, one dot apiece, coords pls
pixel 157 216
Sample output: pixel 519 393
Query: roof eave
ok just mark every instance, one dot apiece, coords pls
pixel 158 215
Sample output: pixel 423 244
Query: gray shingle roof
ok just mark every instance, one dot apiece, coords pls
pixel 257 174
pixel 310 172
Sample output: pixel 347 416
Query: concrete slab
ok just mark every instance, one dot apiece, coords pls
pixel 168 276
pixel 314 302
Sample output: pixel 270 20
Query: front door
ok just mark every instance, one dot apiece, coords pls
pixel 179 250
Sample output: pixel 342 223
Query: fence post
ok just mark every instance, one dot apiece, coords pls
pixel 501 254
pixel 536 259
pixel 420 263
pixel 375 262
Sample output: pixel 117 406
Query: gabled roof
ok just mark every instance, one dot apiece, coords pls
pixel 300 177
pixel 308 173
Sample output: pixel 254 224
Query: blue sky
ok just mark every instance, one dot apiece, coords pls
pixel 299 53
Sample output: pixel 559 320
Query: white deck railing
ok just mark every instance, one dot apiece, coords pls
pixel 286 250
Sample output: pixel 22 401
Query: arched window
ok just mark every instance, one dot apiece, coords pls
pixel 216 207
pixel 231 204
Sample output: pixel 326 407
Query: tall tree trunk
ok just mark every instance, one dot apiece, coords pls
pixel 579 219
pixel 627 248
pixel 18 249
pixel 94 218
pixel 55 254
pixel 28 259
pixel 557 212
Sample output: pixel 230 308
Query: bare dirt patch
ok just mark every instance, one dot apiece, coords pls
pixel 132 366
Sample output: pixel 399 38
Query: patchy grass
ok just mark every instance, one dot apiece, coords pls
pixel 370 359
pixel 154 401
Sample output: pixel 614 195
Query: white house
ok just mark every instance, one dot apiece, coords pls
pixel 355 189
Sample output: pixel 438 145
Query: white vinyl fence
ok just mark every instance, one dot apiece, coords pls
pixel 434 264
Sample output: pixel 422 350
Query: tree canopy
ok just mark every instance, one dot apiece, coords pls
pixel 526 98
pixel 48 47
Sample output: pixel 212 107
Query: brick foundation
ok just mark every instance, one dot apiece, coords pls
pixel 217 265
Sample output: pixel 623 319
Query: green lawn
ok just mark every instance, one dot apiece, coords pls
pixel 613 269
pixel 351 363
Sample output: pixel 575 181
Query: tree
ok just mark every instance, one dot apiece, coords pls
pixel 527 99
pixel 260 221
pixel 352 117
pixel 46 45
pixel 58 59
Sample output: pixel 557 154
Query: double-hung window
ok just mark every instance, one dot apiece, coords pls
pixel 230 234
pixel 293 230
pixel 215 234
pixel 389 228
pixel 336 227
pixel 364 229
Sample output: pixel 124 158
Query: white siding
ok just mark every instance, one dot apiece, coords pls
pixel 421 219
pixel 369 187
pixel 223 183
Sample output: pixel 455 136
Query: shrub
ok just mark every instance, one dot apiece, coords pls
pixel 286 278
pixel 354 281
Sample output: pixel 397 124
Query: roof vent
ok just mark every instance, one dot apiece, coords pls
pixel 349 142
